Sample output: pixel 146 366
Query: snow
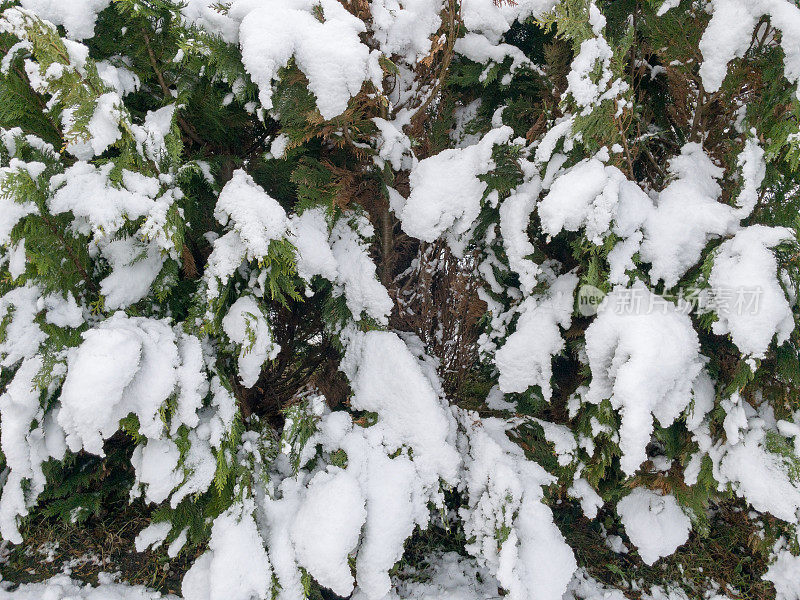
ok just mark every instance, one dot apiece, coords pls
pixel 525 358
pixel 753 169
pixel 478 48
pixel 584 196
pixel 156 466
pixel 340 254
pixel 253 219
pixel 134 268
pixel 138 356
pixel 356 278
pixel 226 257
pixel 405 28
pixel 408 405
pixel 61 587
pixel 98 206
pixel 644 357
pixel 730 31
pixel 236 565
pixel 672 243
pixel 581 85
pixel 759 476
pixel 328 51
pixel 310 237
pixel 77 16
pixel 12 211
pixel 322 37
pixel 654 523
pixel 322 543
pixel 446 193
pixel 61 311
pixel 504 493
pixel 150 135
pixel 252 213
pixel 783 574
pixel 24 450
pixel 202 14
pixel 515 215
pixel 340 504
pixel 752 306
pixel 493 20
pixel 245 325
pixel 23 336
pixel 585 587
pixel 152 536
pixel 102 130
pixel 590 500
pixel 598 199
pixel 449 577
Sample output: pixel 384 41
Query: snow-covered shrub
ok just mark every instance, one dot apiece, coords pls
pixel 338 273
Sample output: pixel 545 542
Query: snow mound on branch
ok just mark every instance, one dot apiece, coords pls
pixel 134 268
pixel 525 358
pixel 586 196
pixel 504 494
pixel 23 336
pixel 654 522
pixel 323 544
pixel 730 31
pixel 156 466
pixel 236 565
pixel 11 211
pixel 644 356
pixel 150 134
pixel 24 449
pixel 356 278
pixel 585 587
pixel 762 478
pixel 98 206
pixel 493 19
pixel 406 28
pixel 77 16
pixel 204 15
pixel 783 574
pixel 587 90
pixel 448 576
pixel 391 477
pixel 446 193
pixel 515 216
pixel 246 325
pixel 409 406
pixel 254 220
pixel 686 216
pixel 598 199
pixel 751 304
pixel 126 365
pixel 102 131
pixel 310 233
pixel 250 212
pixel 341 255
pixel 323 38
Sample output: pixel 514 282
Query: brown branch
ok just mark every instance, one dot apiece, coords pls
pixel 448 57
pixel 625 147
pixel 185 127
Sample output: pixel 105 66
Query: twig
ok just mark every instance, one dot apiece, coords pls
pixel 165 88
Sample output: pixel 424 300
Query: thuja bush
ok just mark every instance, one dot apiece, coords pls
pixel 330 276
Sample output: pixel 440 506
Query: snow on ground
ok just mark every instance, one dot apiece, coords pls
pixel 61 587
pixel 448 577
